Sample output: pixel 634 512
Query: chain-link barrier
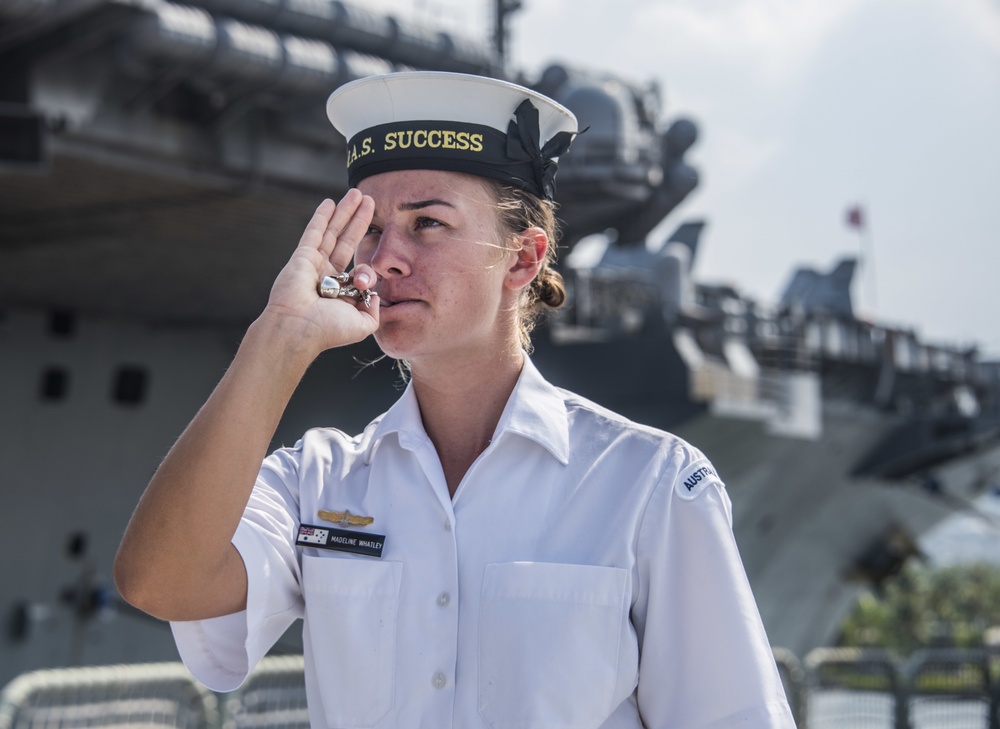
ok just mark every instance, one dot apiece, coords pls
pixel 870 689
pixel 833 688
pixel 949 688
pixel 793 679
pixel 849 687
pixel 153 695
pixel 274 697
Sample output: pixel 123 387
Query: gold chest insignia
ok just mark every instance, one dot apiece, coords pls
pixel 345 518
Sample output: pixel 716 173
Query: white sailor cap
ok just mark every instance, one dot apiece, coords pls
pixel 452 121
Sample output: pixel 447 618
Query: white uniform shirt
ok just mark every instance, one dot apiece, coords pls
pixel 584 575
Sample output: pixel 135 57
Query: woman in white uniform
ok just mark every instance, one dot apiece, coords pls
pixel 492 551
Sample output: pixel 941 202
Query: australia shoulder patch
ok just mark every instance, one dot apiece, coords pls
pixel 695 478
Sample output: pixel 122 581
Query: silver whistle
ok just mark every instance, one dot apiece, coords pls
pixel 331 287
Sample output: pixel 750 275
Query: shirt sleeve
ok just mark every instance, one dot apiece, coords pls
pixel 704 659
pixel 221 652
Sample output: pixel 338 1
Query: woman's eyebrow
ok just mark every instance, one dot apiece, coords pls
pixel 423 204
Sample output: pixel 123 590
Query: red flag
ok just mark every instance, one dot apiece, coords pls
pixel 855 217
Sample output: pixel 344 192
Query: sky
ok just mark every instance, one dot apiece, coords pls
pixel 966 538
pixel 806 108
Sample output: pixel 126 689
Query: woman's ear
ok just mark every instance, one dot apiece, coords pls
pixel 529 258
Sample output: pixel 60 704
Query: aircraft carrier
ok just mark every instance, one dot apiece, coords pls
pixel 158 161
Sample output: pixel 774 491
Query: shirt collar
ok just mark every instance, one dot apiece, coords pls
pixel 536 410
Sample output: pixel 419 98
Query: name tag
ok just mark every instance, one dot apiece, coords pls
pixel 341 540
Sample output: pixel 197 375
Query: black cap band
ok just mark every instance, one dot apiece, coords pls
pixel 460 147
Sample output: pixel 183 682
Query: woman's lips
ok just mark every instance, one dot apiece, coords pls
pixel 387 302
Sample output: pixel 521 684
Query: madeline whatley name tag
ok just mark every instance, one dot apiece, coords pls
pixel 340 540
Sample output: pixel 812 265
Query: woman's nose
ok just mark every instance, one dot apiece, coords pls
pixel 390 256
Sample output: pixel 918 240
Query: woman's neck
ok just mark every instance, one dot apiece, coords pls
pixel 461 404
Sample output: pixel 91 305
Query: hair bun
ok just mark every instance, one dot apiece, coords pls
pixel 551 288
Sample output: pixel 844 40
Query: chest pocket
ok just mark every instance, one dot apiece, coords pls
pixel 351 607
pixel 549 644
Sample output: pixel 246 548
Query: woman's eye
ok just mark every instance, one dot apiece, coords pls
pixel 372 230
pixel 423 222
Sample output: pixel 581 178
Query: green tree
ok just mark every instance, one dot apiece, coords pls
pixel 923 607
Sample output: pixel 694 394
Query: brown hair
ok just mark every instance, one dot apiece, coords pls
pixel 517 211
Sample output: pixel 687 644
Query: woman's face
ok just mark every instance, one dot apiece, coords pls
pixel 435 245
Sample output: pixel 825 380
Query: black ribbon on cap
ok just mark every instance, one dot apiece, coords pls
pixel 523 145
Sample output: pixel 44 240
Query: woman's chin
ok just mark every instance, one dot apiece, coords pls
pixel 395 341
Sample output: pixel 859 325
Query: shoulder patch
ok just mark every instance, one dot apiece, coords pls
pixel 695 478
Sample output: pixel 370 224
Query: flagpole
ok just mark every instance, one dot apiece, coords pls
pixel 869 246
pixel 857 218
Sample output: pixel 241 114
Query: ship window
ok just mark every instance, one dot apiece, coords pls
pixel 76 545
pixel 62 323
pixel 130 385
pixel 21 136
pixel 55 384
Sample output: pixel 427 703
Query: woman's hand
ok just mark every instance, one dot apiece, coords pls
pixel 326 248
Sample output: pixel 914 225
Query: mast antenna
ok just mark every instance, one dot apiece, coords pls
pixel 504 8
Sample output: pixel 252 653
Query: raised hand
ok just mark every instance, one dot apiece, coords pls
pixel 326 248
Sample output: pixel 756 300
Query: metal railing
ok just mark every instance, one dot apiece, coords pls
pixel 151 695
pixel 932 689
pixel 830 689
pixel 951 688
pixel 274 697
pixel 853 688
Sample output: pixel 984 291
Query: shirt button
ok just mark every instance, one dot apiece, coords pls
pixel 447 525
pixel 443 599
pixel 439 680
